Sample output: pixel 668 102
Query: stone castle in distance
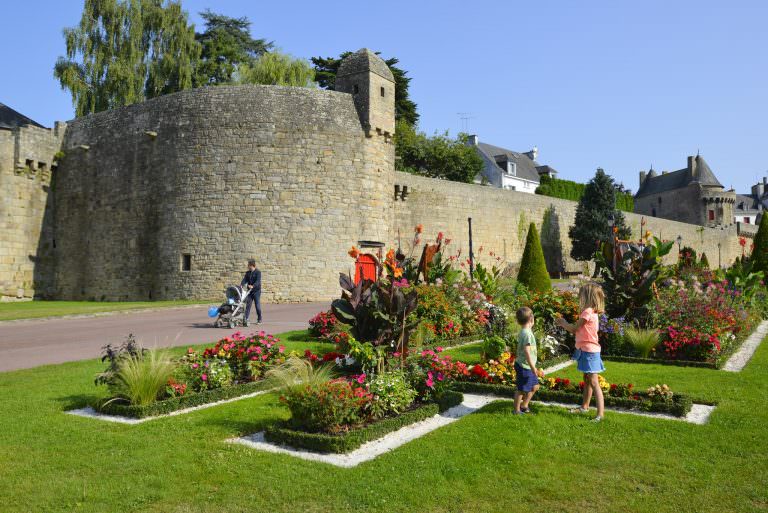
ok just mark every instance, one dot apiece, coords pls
pixel 167 199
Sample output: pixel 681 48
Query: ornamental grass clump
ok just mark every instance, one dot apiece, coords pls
pixel 296 373
pixel 142 380
pixel 644 341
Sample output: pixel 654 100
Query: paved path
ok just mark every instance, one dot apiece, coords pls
pixel 25 344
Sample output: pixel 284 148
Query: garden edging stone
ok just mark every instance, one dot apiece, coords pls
pixel 740 358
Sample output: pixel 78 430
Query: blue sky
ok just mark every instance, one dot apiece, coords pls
pixel 620 85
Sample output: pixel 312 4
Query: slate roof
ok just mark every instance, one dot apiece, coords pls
pixel 10 118
pixel 678 179
pixel 525 167
pixel 746 203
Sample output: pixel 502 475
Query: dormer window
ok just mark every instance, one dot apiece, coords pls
pixel 511 168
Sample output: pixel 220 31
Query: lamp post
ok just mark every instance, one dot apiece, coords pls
pixel 719 259
pixel 612 238
pixel 679 246
pixel 471 253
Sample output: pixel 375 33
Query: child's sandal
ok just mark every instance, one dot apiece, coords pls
pixel 579 410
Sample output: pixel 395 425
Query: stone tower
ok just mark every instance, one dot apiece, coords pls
pixel 370 82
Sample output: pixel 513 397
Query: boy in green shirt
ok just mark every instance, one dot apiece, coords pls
pixel 526 375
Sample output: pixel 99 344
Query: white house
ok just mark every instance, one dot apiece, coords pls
pixel 509 169
pixel 749 207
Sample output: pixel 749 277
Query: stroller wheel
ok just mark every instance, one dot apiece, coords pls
pixel 231 324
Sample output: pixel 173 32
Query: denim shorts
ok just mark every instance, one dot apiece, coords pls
pixel 525 379
pixel 588 363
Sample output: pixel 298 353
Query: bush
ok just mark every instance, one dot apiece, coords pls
pixel 331 407
pixel 438 312
pixel 759 255
pixel 493 347
pixel 391 394
pixel 248 357
pixel 204 373
pixel 533 270
pixel 322 324
pixel 644 341
pixel 567 189
pixel 142 380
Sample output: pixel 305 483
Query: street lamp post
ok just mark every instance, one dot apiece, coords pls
pixel 679 246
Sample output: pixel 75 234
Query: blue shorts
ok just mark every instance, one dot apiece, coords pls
pixel 525 379
pixel 588 363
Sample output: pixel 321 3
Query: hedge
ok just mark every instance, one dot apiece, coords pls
pixel 567 189
pixel 679 406
pixel 280 433
pixel 177 403
pixel 659 361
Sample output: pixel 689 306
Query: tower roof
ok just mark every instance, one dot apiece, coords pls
pixel 705 174
pixel 655 184
pixel 363 61
pixel 9 118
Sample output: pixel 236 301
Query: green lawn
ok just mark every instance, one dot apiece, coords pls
pixel 36 309
pixel 488 461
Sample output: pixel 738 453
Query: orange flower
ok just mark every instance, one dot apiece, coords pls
pixel 419 228
pixel 615 229
pixel 354 253
pixel 397 272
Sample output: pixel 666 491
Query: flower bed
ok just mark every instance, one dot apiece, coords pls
pixel 149 383
pixel 282 433
pixel 167 406
pixel 679 405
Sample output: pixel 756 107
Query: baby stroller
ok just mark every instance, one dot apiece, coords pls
pixel 231 313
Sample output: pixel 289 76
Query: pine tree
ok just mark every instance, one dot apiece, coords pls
pixel 533 270
pixel 596 206
pixel 124 51
pixel 704 262
pixel 760 251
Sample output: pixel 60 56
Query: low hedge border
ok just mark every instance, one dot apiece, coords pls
pixel 177 403
pixel 679 407
pixel 551 362
pixel 280 433
pixel 659 361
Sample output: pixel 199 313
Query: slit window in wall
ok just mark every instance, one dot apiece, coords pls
pixel 30 164
pixel 382 91
pixel 186 262
pixel 355 89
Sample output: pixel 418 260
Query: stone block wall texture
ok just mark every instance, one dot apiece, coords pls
pixel 283 175
pixel 500 221
pixel 27 162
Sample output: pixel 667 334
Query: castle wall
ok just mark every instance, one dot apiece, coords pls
pixel 284 175
pixel 27 161
pixel 500 221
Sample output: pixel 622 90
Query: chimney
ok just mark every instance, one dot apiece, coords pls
pixel 692 168
pixel 472 140
pixel 642 178
pixel 534 153
pixel 758 190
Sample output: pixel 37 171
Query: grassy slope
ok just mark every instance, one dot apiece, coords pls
pixel 54 462
pixel 37 309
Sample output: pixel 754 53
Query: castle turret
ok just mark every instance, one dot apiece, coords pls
pixel 368 78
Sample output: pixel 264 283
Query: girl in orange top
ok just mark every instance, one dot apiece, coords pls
pixel 587 354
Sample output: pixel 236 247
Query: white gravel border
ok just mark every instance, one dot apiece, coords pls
pixel 740 358
pixel 472 402
pixel 559 366
pixel 93 414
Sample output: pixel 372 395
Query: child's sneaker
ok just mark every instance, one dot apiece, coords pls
pixel 527 411
pixel 580 409
pixel 597 419
pixel 518 412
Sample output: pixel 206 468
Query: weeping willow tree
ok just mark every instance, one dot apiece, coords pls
pixel 275 68
pixel 125 51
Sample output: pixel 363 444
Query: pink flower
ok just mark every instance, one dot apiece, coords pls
pixel 264 356
pixel 204 377
pixel 195 365
pixel 361 378
pixel 281 349
pixel 439 349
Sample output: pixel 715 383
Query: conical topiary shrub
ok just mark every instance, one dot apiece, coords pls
pixel 533 270
pixel 704 262
pixel 760 251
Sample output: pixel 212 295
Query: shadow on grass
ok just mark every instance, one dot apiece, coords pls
pixel 73 402
pixel 242 427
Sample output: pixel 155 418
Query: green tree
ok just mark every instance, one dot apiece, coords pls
pixel 405 109
pixel 125 51
pixel 704 262
pixel 438 156
pixel 226 44
pixel 759 255
pixel 591 224
pixel 566 189
pixel 275 68
pixel 533 269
